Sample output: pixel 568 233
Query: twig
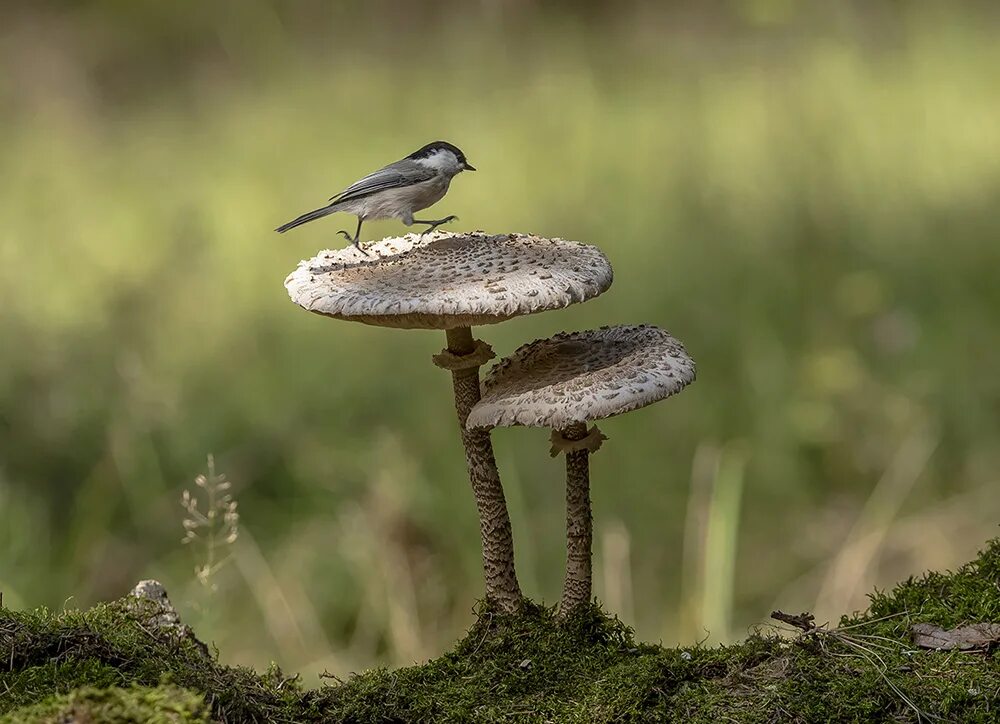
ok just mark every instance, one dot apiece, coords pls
pixel 803 621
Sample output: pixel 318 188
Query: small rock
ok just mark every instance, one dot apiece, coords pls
pixel 525 664
pixel 154 591
pixel 161 615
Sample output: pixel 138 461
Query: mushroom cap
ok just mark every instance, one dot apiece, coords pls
pixel 443 281
pixel 582 376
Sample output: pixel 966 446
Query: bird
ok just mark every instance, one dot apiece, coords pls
pixel 396 191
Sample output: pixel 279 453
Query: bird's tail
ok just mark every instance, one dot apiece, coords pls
pixel 306 218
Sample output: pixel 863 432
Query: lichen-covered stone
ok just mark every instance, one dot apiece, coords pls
pixel 444 281
pixel 149 600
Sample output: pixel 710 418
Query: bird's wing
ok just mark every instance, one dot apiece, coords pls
pixel 392 176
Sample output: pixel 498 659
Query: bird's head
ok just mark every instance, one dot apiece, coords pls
pixel 443 157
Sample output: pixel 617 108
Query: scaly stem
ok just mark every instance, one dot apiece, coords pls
pixel 579 526
pixel 494 522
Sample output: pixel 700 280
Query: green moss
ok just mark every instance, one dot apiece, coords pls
pixel 164 704
pixel 972 593
pixel 596 673
pixel 115 645
pixel 531 668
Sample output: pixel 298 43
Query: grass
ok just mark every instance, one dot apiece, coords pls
pixel 808 204
pixel 529 668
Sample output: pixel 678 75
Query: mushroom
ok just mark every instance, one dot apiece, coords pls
pixel 563 383
pixel 452 282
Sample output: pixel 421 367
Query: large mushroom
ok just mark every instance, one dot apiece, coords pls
pixel 563 383
pixel 453 282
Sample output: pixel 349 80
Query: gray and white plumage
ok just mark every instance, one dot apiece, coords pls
pixel 398 190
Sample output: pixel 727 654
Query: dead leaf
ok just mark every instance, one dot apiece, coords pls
pixel 964 638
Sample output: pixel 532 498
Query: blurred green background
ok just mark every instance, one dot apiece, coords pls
pixel 807 194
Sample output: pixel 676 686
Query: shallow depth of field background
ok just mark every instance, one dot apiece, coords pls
pixel 806 194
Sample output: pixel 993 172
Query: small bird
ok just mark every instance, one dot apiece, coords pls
pixel 397 191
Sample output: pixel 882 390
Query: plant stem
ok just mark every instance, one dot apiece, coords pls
pixel 494 521
pixel 579 525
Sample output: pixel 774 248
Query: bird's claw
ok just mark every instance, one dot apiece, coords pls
pixel 354 241
pixel 445 220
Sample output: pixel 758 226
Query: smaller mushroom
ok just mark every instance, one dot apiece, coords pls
pixel 567 381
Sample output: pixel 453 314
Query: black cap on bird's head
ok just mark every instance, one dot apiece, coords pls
pixel 436 146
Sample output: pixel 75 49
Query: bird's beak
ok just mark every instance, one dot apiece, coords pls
pixel 467 167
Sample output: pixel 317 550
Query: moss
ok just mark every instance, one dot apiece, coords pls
pixel 116 645
pixel 598 674
pixel 972 593
pixel 164 704
pixel 531 668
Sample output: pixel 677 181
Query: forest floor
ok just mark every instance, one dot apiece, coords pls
pixel 901 660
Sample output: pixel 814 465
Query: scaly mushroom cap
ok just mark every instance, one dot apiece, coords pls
pixel 443 281
pixel 582 376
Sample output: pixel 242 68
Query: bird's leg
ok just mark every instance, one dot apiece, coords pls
pixel 435 223
pixel 357 235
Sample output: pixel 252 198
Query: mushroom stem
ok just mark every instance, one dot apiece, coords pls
pixel 579 526
pixel 494 522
